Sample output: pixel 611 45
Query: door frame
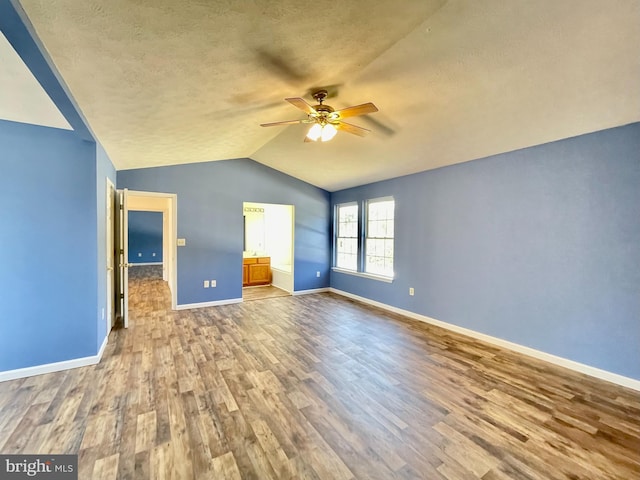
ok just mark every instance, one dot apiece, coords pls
pixel 167 203
pixel 292 211
pixel 110 233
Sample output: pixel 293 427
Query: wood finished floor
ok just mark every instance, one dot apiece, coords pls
pixel 261 293
pixel 317 387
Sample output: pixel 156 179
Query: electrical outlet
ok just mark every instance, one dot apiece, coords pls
pixel 139 254
pixel 213 283
pixel 206 284
pixel 411 291
pixel 318 274
pixel 153 254
pixel 103 313
pixel 182 242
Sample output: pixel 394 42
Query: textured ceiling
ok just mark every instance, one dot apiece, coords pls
pixel 165 82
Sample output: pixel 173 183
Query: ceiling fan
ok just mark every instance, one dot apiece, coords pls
pixel 326 121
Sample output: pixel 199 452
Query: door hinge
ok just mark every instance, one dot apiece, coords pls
pixel 122 251
pixel 121 207
pixel 122 295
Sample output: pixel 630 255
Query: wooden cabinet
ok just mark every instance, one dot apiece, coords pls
pixel 245 275
pixel 256 271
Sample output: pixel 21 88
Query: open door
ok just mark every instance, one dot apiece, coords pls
pixel 111 254
pixel 122 249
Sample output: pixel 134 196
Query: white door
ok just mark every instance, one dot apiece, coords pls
pixel 123 257
pixel 110 233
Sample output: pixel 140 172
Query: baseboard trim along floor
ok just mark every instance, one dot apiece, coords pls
pixel 53 367
pixel 532 352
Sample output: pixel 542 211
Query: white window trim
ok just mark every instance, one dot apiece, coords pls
pixel 365 235
pixel 336 237
pixel 372 276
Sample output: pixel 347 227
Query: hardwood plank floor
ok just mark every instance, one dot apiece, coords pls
pixel 317 387
pixel 261 293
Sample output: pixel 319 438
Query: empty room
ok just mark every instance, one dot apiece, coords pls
pixel 320 240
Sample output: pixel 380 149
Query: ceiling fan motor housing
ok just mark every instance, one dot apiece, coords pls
pixel 320 95
pixel 324 111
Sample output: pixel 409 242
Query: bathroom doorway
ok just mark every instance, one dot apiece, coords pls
pixel 268 250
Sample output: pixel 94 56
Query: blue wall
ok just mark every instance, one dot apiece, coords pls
pixel 145 237
pixel 48 279
pixel 210 218
pixel 540 247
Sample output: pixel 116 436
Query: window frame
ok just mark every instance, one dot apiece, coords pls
pixel 362 225
pixel 383 239
pixel 337 236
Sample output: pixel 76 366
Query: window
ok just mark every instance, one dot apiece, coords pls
pixel 347 236
pixel 379 237
pixel 374 231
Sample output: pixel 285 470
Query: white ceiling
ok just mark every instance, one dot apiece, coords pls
pixel 164 82
pixel 22 98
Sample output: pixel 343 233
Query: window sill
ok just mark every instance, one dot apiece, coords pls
pixel 371 276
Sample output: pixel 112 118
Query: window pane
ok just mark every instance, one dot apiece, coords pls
pixel 388 248
pixel 347 237
pixel 379 242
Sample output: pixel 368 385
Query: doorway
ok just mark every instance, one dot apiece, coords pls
pixel 268 240
pixel 138 201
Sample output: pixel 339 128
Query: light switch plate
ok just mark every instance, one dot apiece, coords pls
pixel 182 242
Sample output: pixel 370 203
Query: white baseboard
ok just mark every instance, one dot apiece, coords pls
pixel 547 357
pixel 53 367
pixel 143 264
pixel 102 347
pixel 312 290
pixel 216 303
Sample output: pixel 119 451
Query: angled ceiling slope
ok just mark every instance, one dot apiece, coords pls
pixel 27 101
pixel 164 82
pixel 35 89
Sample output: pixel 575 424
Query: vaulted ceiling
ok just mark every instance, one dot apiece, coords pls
pixel 164 82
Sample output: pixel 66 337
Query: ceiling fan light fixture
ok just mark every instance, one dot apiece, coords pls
pixel 328 132
pixel 315 132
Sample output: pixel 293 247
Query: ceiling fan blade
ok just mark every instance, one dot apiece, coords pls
pixel 356 110
pixel 286 122
pixel 350 128
pixel 302 105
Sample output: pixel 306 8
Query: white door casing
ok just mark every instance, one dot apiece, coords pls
pixel 110 241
